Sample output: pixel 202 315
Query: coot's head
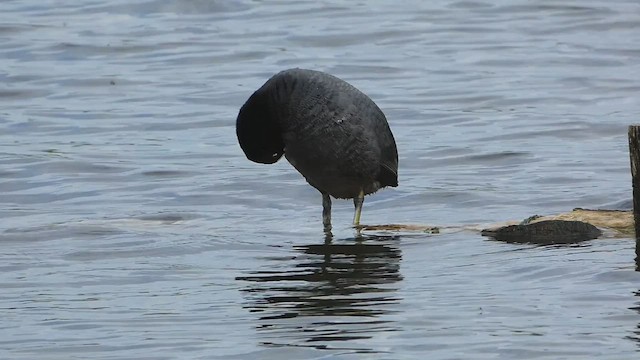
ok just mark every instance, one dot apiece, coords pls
pixel 258 133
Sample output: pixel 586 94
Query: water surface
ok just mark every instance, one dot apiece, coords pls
pixel 132 226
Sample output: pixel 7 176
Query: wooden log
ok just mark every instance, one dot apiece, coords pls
pixel 634 155
pixel 614 223
pixel 545 232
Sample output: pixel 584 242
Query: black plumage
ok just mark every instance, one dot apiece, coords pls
pixel 331 132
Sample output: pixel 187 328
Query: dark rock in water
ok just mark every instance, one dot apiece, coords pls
pixel 545 232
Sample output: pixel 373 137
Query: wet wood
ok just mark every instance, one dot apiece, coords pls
pixel 545 232
pixel 615 223
pixel 402 227
pixel 634 155
pixel 579 223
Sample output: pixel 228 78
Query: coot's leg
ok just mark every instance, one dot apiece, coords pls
pixel 357 201
pixel 326 212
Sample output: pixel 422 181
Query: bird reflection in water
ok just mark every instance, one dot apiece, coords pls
pixel 335 294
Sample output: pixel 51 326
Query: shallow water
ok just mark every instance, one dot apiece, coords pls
pixel 132 226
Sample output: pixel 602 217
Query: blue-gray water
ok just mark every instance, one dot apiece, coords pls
pixel 133 227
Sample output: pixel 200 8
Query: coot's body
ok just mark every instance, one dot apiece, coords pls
pixel 331 132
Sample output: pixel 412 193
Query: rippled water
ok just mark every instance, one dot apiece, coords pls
pixel 132 226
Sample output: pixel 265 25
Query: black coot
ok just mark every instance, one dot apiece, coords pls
pixel 331 132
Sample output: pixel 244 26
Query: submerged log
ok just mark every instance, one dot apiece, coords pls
pixel 574 226
pixel 615 223
pixel 611 223
pixel 545 232
pixel 634 155
pixel 402 227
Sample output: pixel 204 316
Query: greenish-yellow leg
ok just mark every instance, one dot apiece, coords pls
pixel 358 201
pixel 326 212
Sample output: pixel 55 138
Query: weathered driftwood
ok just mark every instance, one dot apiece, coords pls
pixel 574 226
pixel 612 223
pixel 615 223
pixel 634 155
pixel 577 225
pixel 545 232
pixel 403 227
